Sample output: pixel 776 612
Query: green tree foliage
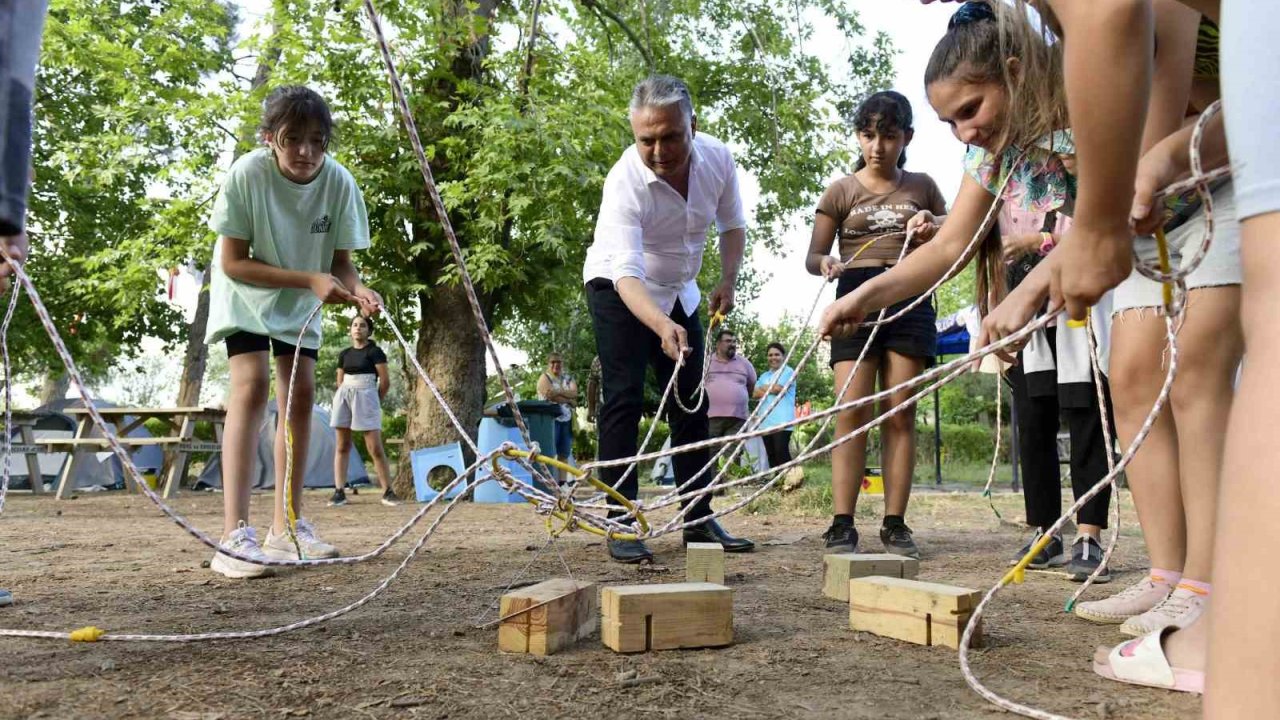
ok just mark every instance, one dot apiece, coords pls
pixel 129 126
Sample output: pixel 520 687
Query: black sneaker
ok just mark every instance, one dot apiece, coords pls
pixel 389 498
pixel 339 498
pixel 1086 556
pixel 841 538
pixel 1052 555
pixel 897 539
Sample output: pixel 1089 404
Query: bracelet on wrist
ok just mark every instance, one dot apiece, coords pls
pixel 1047 243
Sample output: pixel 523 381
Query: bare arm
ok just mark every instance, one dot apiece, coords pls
pixel 820 244
pixel 570 394
pixel 733 244
pixel 384 380
pixel 544 387
pixel 1176 27
pixel 1111 39
pixel 341 376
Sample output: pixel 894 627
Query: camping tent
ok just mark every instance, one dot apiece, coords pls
pixel 100 468
pixel 319 468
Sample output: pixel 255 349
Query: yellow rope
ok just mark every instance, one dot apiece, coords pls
pixel 564 507
pixel 1162 245
pixel 87 634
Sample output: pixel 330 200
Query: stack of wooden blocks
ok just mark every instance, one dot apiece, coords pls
pixel 885 599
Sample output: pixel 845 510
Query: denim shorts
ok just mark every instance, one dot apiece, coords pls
pixel 1220 267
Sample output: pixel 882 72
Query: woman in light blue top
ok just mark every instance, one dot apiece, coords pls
pixel 777 444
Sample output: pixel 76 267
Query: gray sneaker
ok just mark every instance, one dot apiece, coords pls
pixel 1051 556
pixel 1086 556
pixel 897 539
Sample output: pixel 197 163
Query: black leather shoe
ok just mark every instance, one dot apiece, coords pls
pixel 711 532
pixel 629 551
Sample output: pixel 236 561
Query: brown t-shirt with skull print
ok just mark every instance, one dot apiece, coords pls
pixel 878 218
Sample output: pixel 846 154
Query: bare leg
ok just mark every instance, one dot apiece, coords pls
pixel 1211 344
pixel 341 456
pixel 1243 656
pixel 246 402
pixel 373 443
pixel 304 393
pixel 1137 372
pixel 849 460
pixel 899 433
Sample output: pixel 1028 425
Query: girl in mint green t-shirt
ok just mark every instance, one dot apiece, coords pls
pixel 287 218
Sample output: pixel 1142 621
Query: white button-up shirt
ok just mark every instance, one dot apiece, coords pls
pixel 646 230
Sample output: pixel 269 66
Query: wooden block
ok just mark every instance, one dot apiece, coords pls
pixel 919 612
pixel 840 568
pixel 559 612
pixel 704 562
pixel 635 618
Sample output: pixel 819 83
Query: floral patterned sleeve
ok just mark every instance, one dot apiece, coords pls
pixel 1038 179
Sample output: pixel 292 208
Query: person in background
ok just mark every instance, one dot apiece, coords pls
pixel 768 390
pixel 363 382
pixel 555 385
pixel 730 380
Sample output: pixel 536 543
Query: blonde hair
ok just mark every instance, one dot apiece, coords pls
pixel 977 47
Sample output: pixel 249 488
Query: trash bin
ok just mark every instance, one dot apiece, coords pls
pixel 498 426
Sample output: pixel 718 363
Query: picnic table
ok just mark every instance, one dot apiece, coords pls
pixel 179 444
pixel 26 421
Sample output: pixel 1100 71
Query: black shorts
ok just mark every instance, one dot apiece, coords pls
pixel 914 334
pixel 246 342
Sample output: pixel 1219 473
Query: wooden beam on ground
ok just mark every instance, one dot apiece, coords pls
pixel 839 568
pixel 636 618
pixel 920 612
pixel 546 618
pixel 704 562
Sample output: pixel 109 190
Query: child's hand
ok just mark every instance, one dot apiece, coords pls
pixel 1156 171
pixel 1090 261
pixel 16 246
pixel 330 289
pixel 922 227
pixel 831 268
pixel 369 300
pixel 842 317
pixel 1007 318
pixel 1015 246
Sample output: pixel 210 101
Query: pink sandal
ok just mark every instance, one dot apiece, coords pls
pixel 1142 662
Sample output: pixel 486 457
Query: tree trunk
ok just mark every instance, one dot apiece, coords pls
pixel 55 387
pixel 451 351
pixel 197 357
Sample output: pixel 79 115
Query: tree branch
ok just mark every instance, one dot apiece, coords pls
pixel 527 72
pixel 631 35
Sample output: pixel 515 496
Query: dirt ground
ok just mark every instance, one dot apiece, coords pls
pixel 115 562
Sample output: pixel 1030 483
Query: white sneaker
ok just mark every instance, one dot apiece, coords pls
pixel 281 547
pixel 1178 610
pixel 1132 601
pixel 244 541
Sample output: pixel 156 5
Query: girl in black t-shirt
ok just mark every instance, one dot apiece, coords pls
pixel 363 381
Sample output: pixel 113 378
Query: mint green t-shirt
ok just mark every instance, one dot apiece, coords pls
pixel 290 226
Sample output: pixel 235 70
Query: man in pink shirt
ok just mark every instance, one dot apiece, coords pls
pixel 730 379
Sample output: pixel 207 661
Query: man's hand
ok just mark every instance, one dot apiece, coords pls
pixel 330 289
pixel 1090 261
pixel 922 227
pixel 17 247
pixel 842 317
pixel 370 301
pixel 721 300
pixel 675 341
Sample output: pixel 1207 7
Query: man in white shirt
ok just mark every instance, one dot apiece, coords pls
pixel 641 276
